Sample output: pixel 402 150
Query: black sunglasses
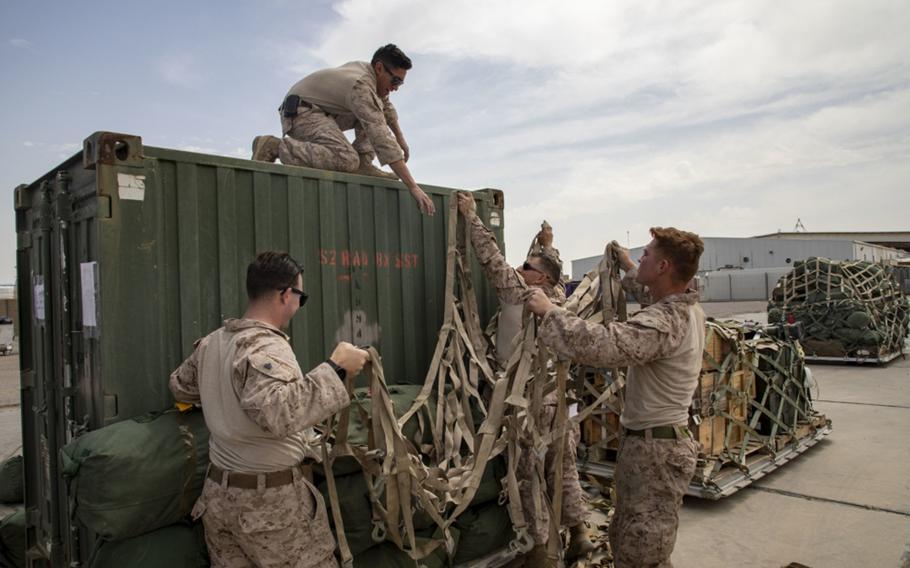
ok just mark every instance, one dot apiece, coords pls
pixel 396 80
pixel 303 295
pixel 527 266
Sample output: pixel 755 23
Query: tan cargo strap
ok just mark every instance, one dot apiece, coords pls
pixel 339 448
pixel 461 377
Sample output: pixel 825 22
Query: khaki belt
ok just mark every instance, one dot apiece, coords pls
pixel 662 432
pixel 251 480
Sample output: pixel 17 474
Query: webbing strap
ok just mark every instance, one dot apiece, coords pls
pixel 340 447
pixel 554 549
pixel 443 481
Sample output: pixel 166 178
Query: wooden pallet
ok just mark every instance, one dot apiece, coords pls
pixel 879 359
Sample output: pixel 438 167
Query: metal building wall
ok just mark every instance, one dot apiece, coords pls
pixel 738 285
pixel 722 252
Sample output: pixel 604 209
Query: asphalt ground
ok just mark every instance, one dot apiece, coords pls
pixel 844 503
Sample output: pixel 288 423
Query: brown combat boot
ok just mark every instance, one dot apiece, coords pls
pixel 579 543
pixel 537 558
pixel 265 148
pixel 366 168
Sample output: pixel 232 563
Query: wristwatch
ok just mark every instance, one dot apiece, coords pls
pixel 339 370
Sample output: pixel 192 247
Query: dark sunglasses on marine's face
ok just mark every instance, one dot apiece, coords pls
pixel 396 80
pixel 527 266
pixel 303 295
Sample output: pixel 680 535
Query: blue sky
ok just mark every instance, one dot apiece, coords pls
pixel 727 118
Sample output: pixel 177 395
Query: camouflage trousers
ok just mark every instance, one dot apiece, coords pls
pixel 316 140
pixel 574 507
pixel 651 478
pixel 283 526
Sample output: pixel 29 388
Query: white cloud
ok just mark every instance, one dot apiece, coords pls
pixel 20 43
pixel 824 167
pixel 200 149
pixel 729 118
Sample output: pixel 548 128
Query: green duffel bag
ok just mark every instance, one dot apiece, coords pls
pixel 356 510
pixel 484 530
pixel 176 546
pixel 387 555
pixel 138 475
pixel 859 320
pixel 866 337
pixel 359 428
pixel 402 397
pixel 344 465
pixel 11 474
pixel 818 331
pixel 490 484
pixel 12 540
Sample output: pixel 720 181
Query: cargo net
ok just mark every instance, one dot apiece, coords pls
pixel 425 464
pixel 849 309
pixel 754 395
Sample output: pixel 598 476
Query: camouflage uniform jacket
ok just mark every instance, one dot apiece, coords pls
pixel 509 283
pixel 261 419
pixel 662 345
pixel 348 94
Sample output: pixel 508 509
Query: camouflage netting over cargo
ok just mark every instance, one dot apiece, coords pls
pixel 849 309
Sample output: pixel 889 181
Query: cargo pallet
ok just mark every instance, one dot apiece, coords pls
pixel 879 360
pixel 730 478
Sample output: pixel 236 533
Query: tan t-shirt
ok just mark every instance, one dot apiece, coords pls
pixel 259 407
pixel 348 93
pixel 662 345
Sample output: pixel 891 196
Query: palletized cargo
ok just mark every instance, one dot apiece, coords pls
pixel 850 310
pixel 126 254
pixel 751 411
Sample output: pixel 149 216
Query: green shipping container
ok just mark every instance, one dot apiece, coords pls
pixel 127 254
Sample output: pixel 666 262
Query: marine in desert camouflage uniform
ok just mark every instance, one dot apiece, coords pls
pixel 320 107
pixel 542 271
pixel 662 345
pixel 258 505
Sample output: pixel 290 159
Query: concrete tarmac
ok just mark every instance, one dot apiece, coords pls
pixel 844 503
pixel 10 418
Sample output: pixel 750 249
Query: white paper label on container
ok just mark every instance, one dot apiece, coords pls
pixel 39 301
pixel 87 270
pixel 573 409
pixel 131 187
